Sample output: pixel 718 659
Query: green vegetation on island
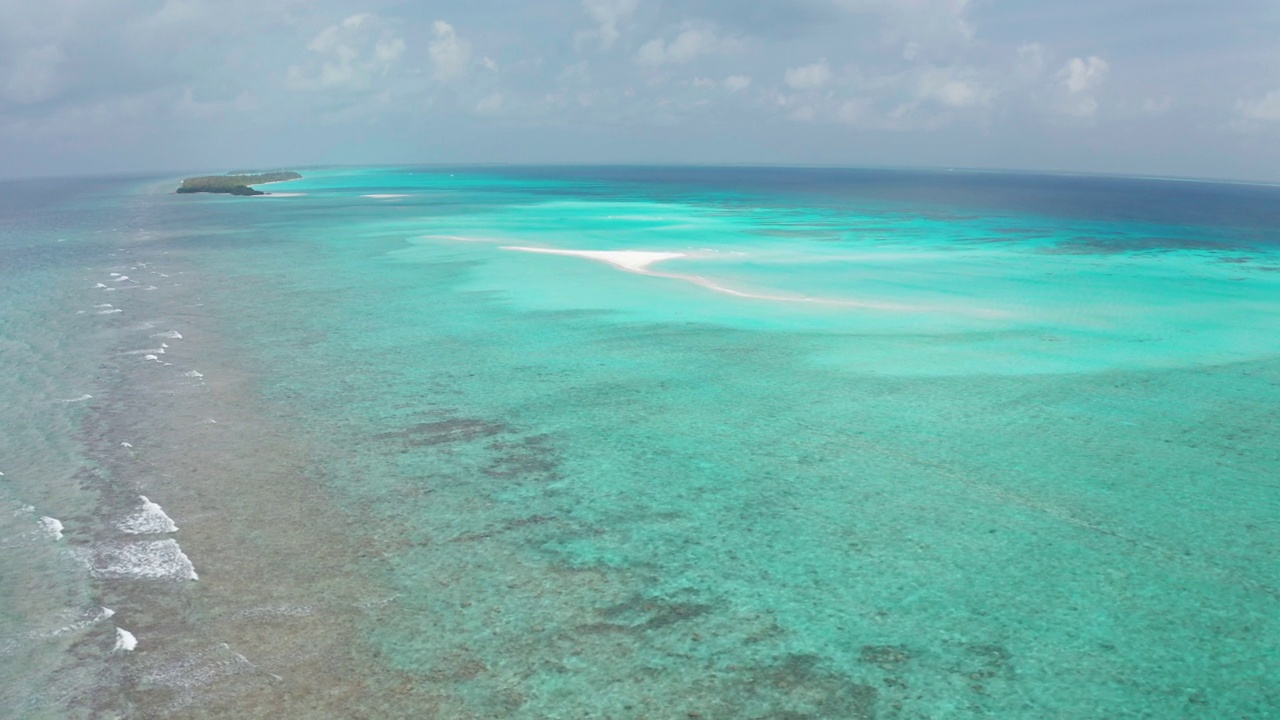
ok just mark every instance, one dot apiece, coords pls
pixel 233 184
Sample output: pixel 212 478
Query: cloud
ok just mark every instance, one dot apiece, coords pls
pixel 953 87
pixel 1081 74
pixel 918 23
pixel 853 111
pixel 33 75
pixel 1261 109
pixel 692 40
pixel 809 77
pixel 733 83
pixel 450 54
pixel 348 55
pixel 1079 78
pixel 608 16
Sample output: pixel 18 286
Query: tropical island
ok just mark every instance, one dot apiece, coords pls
pixel 236 184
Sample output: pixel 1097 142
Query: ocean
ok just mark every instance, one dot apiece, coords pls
pixel 640 442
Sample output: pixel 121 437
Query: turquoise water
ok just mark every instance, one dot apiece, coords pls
pixel 866 444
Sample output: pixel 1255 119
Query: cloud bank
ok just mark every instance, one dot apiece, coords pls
pixel 91 85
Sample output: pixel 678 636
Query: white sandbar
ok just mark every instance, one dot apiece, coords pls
pixel 631 260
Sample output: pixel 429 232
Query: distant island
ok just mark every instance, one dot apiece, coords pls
pixel 233 184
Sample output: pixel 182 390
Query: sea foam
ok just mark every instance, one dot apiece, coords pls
pixel 52 526
pixel 150 519
pixel 170 335
pixel 125 640
pixel 149 560
pixel 86 620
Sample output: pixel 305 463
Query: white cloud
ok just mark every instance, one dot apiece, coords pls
pixel 736 83
pixel 692 41
pixel 449 53
pixel 348 55
pixel 1079 78
pixel 953 88
pixel 853 111
pixel 608 16
pixel 1081 74
pixel 1264 109
pixel 388 50
pixel 809 77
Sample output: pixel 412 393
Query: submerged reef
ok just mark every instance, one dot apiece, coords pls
pixel 233 184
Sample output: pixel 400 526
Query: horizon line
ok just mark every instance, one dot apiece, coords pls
pixel 170 173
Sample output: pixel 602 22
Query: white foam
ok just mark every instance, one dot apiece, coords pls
pixel 103 305
pixel 147 560
pixel 170 335
pixel 122 278
pixel 150 519
pixel 148 351
pixel 384 196
pixel 102 614
pixel 125 640
pixel 632 260
pixel 193 374
pixel 115 274
pixel 151 357
pixel 100 285
pixel 82 398
pixel 125 444
pixel 110 312
pixel 52 526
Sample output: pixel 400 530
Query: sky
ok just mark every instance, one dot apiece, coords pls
pixel 1143 87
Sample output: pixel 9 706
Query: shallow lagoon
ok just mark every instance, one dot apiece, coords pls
pixel 882 444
